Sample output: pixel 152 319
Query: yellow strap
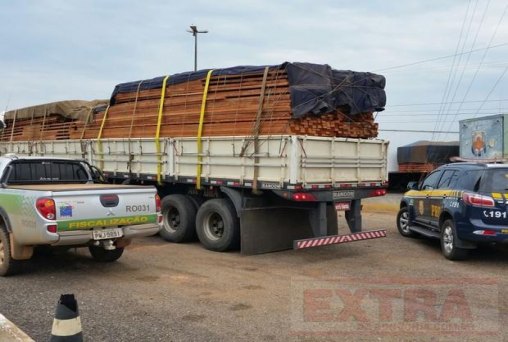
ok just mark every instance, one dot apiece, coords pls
pixel 257 128
pixel 13 124
pixel 43 123
pixel 158 130
pixel 99 143
pixel 86 123
pixel 200 130
pixel 103 123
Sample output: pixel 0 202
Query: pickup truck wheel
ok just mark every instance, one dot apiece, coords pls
pixel 449 242
pixel 178 218
pixel 217 225
pixel 8 266
pixel 403 223
pixel 103 255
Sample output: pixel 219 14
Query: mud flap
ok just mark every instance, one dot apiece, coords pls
pixel 272 229
pixel 20 252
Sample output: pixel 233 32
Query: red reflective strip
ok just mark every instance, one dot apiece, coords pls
pixel 337 239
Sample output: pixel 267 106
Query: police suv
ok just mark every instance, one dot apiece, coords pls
pixel 462 204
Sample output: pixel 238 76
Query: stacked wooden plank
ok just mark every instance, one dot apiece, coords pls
pixel 233 108
pixel 337 124
pixel 417 167
pixel 52 127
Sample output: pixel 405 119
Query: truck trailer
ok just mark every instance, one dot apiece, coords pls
pixel 275 183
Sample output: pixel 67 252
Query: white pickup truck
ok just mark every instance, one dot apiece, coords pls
pixel 61 202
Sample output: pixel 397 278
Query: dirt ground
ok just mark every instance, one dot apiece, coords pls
pixel 385 289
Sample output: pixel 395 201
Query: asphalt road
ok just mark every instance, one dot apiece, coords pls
pixel 169 292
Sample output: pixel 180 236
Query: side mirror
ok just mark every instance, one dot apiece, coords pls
pixel 2 125
pixel 412 186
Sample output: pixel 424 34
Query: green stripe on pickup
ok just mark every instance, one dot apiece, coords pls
pixel 105 222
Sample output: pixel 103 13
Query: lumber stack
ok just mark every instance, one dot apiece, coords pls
pixel 53 127
pixel 236 105
pixel 417 167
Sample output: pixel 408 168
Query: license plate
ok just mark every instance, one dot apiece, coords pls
pixel 110 233
pixel 343 194
pixel 339 206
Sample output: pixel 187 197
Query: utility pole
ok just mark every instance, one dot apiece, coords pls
pixel 194 30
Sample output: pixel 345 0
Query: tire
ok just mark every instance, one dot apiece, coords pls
pixel 178 218
pixel 449 242
pixel 403 223
pixel 8 266
pixel 217 225
pixel 102 255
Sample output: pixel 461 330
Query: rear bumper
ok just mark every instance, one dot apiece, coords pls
pixel 471 231
pixel 82 237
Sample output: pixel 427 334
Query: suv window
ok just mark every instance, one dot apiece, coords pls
pixel 448 180
pixel 431 181
pixel 40 171
pixel 469 180
pixel 494 180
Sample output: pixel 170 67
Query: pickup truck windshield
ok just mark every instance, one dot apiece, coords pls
pixel 43 172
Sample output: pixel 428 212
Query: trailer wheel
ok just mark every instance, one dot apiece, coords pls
pixel 8 265
pixel 178 218
pixel 217 225
pixel 103 255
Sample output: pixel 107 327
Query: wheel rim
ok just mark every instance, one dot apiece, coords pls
pixel 172 220
pixel 448 239
pixel 404 222
pixel 2 253
pixel 214 227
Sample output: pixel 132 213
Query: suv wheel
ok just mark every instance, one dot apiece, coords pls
pixel 449 242
pixel 403 223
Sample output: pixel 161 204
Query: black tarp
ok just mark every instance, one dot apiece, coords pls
pixel 436 152
pixel 315 89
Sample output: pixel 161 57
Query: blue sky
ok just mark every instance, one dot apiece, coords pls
pixel 56 50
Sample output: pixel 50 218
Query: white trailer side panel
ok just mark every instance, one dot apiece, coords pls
pixel 279 159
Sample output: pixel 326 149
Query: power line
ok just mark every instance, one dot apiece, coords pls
pixel 414 131
pixel 438 103
pixel 414 122
pixel 483 58
pixel 452 72
pixel 494 87
pixel 426 114
pixel 469 54
pixel 439 58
